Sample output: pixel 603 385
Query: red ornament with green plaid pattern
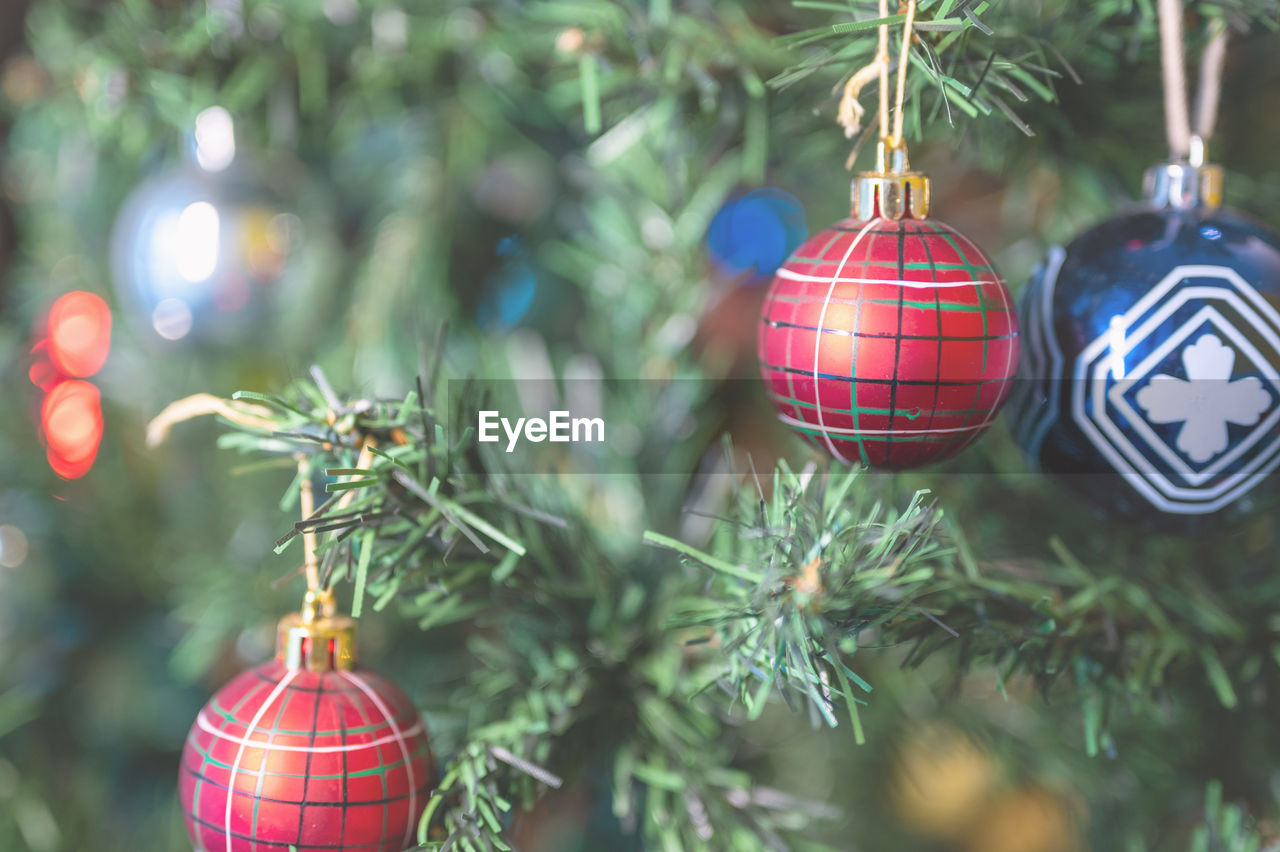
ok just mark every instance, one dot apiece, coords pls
pixel 307 753
pixel 888 342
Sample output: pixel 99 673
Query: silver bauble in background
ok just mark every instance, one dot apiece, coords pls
pixel 203 250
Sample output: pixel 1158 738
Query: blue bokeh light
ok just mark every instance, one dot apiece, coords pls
pixel 754 233
pixel 510 291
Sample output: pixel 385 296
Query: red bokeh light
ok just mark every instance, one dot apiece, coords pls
pixel 72 343
pixel 79 333
pixel 43 373
pixel 71 419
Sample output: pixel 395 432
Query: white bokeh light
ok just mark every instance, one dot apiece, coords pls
pixel 172 319
pixel 196 242
pixel 13 546
pixel 215 139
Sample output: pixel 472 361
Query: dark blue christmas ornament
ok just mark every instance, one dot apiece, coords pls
pixel 1151 365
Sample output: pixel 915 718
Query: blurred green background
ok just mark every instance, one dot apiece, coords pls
pixel 400 164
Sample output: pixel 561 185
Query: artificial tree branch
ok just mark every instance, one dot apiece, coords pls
pixel 818 578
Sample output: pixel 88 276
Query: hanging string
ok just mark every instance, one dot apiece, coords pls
pixel 362 464
pixel 306 497
pixel 850 111
pixel 242 413
pixel 1177 124
pixel 1177 118
pixel 904 59
pixel 1210 91
pixel 258 417
pixel 882 59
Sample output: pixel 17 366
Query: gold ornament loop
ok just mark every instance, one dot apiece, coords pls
pixel 893 190
pixel 317 638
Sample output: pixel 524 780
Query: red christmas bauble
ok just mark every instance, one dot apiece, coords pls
pixel 888 342
pixel 284 756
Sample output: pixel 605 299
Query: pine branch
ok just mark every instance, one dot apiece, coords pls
pixel 472 800
pixel 816 565
pixel 957 60
pixel 578 669
pixel 805 574
pixel 968 58
pixel 1227 828
pixel 413 500
pixel 806 577
pixel 678 780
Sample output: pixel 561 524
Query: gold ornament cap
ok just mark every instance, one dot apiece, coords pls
pixel 893 190
pixel 1185 184
pixel 317 638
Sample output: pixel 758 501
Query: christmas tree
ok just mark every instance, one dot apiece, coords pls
pixel 452 317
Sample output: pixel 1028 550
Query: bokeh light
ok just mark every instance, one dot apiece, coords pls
pixel 13 546
pixel 197 254
pixel 215 139
pixel 172 319
pixel 79 334
pixel 754 233
pixel 72 343
pixel 43 373
pixel 510 291
pixel 195 241
pixel 71 420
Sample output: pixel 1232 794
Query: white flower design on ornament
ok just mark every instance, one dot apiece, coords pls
pixel 1206 401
